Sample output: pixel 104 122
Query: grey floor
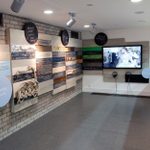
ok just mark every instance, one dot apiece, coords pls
pixel 88 122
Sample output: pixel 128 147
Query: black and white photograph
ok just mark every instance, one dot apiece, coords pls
pixel 25 73
pixel 23 52
pixel 24 91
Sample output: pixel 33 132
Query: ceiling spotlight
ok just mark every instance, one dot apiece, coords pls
pixel 93 29
pixel 48 12
pixel 16 5
pixel 72 20
pixel 86 26
pixel 136 1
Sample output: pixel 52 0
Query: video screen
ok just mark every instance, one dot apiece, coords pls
pixel 122 57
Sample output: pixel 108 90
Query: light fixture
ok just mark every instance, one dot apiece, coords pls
pixel 86 26
pixel 48 12
pixel 93 27
pixel 72 20
pixel 136 1
pixel 139 12
pixel 89 4
pixel 16 5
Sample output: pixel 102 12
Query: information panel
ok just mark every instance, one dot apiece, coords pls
pixel 5 82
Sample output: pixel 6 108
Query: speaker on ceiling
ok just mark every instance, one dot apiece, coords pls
pixel 16 5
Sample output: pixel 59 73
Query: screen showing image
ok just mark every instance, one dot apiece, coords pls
pixel 122 57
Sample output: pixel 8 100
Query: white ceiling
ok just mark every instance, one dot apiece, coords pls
pixel 107 14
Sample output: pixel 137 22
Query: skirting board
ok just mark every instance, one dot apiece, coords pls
pixel 124 95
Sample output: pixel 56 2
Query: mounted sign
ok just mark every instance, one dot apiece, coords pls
pixel 101 39
pixel 5 91
pixel 31 32
pixel 64 37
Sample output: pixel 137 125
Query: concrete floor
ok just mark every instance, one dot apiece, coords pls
pixel 88 122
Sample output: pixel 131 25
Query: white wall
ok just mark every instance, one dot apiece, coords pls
pixel 93 81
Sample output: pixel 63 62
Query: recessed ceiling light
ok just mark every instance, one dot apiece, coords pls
pixel 136 1
pixel 142 21
pixel 89 4
pixel 48 12
pixel 139 12
pixel 86 26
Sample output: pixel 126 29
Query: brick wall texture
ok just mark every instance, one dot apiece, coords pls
pixel 11 122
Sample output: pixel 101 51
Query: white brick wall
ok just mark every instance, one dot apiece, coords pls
pixel 9 122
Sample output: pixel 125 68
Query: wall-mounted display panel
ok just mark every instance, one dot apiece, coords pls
pixel 92 58
pixel 5 76
pixel 71 62
pixel 59 69
pixel 44 63
pixel 23 60
pixel 44 68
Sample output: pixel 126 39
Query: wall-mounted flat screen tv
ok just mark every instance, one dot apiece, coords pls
pixel 122 57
